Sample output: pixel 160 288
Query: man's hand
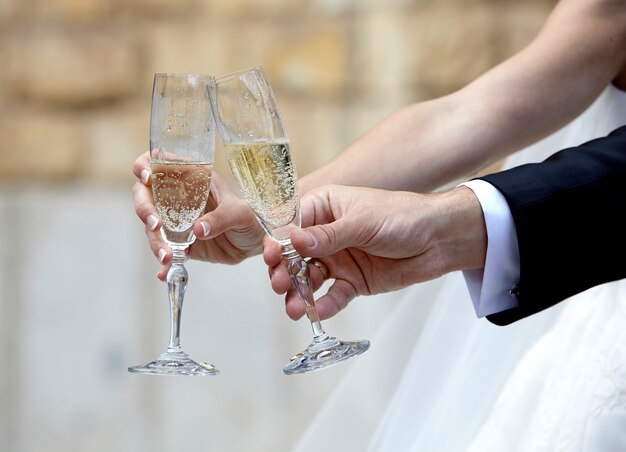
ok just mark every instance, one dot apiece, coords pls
pixel 374 241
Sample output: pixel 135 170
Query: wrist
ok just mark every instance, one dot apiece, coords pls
pixel 460 232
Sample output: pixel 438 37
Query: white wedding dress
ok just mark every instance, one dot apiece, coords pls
pixel 553 382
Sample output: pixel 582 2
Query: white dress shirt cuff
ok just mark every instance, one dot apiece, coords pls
pixel 491 288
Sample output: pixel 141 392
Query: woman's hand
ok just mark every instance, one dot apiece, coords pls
pixel 228 232
pixel 374 241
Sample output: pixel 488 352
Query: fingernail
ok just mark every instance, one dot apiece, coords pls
pixel 162 254
pixel 152 222
pixel 312 241
pixel 206 228
pixel 145 175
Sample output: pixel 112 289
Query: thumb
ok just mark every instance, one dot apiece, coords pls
pixel 325 239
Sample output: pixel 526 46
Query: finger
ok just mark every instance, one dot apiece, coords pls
pixel 280 279
pixel 325 239
pixel 161 251
pixel 327 306
pixel 144 206
pixel 162 274
pixel 159 247
pixel 231 214
pixel 272 252
pixel 319 270
pixel 167 264
pixel 141 168
pixel 294 306
pixel 336 299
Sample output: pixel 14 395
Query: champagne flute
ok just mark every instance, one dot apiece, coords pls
pixel 257 147
pixel 182 147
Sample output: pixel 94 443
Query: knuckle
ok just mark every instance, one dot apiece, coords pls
pixel 140 163
pixel 155 245
pixel 136 188
pixel 142 209
pixel 216 222
pixel 329 234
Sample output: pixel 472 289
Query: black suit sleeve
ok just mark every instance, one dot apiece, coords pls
pixel 569 213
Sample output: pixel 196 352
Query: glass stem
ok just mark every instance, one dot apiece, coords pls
pixel 177 278
pixel 299 272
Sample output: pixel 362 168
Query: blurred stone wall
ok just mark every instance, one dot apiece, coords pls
pixel 76 75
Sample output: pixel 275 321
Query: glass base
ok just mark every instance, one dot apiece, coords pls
pixel 175 364
pixel 326 353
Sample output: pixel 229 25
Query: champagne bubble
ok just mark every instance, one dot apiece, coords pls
pixel 180 193
pixel 267 180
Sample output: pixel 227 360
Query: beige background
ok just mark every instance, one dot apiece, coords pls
pixel 78 298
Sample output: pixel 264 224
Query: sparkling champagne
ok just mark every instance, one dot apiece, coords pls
pixel 267 179
pixel 180 193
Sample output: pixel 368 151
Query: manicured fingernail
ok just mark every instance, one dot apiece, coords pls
pixel 206 228
pixel 312 241
pixel 162 254
pixel 145 175
pixel 152 222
